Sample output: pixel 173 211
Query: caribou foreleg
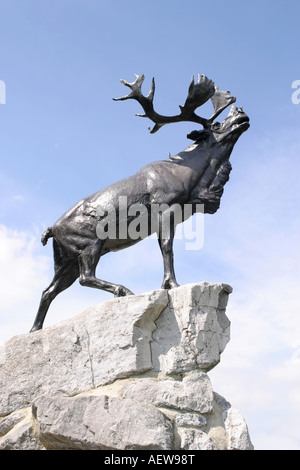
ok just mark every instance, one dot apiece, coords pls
pixel 166 235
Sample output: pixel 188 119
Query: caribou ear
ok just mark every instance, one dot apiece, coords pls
pixel 197 135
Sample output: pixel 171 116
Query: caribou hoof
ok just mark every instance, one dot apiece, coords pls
pixel 168 284
pixel 122 291
pixel 35 328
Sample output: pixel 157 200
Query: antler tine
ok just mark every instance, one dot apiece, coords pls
pixel 136 88
pixel 220 101
pixel 147 101
pixel 198 93
pixel 152 91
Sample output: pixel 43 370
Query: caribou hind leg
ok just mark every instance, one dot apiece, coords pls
pixel 66 273
pixel 88 260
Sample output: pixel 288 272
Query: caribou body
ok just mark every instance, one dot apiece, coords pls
pixel 195 176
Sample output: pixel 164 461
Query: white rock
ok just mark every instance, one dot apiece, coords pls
pixel 20 438
pixel 193 393
pixel 102 344
pixel 129 373
pixel 100 423
pixel 7 423
pixel 194 439
pixel 191 420
pixel 193 330
pixel 237 431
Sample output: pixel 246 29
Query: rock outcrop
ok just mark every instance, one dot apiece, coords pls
pixel 128 374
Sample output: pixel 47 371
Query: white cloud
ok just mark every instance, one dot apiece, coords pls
pixel 23 273
pixel 22 268
pixel 18 198
pixel 269 441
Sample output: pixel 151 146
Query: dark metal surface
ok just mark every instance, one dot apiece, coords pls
pixel 195 176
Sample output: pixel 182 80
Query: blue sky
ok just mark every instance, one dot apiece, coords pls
pixel 62 137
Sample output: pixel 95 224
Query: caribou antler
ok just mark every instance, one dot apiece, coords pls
pixel 220 101
pixel 198 94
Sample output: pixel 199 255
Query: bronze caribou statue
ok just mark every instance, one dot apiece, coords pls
pixel 196 176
